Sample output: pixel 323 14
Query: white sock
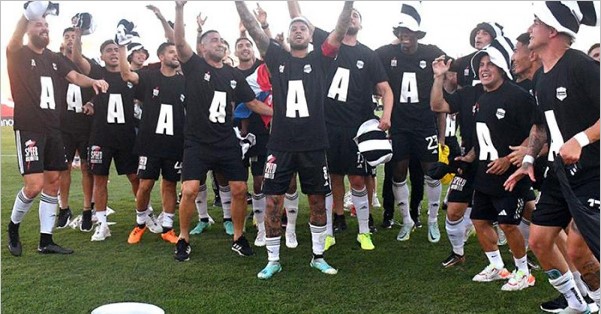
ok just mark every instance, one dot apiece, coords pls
pixel 101 216
pixel 259 204
pixel 567 286
pixel 291 206
pixel 141 216
pixel 167 220
pixel 433 190
pixel 361 202
pixel 329 218
pixel 456 233
pixel 201 202
pixel 522 264
pixel 524 228
pixel 318 238
pixel 273 249
pixel 226 200
pixel 401 197
pixel 47 214
pixel 595 295
pixel 467 221
pixel 20 207
pixel 494 257
pixel 582 287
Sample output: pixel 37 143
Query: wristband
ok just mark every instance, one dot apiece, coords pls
pixel 582 139
pixel 266 26
pixel 528 159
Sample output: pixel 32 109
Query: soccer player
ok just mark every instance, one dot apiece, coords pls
pixel 356 72
pixel 209 139
pixel 160 140
pixel 34 73
pixel 298 133
pixel 113 132
pixel 567 93
pixel 75 128
pixel 503 117
pixel 414 125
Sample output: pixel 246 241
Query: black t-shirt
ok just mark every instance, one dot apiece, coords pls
pixel 252 69
pixel 568 100
pixel 113 122
pixel 526 85
pixel 411 78
pixel 211 94
pixel 72 99
pixel 503 119
pixel 351 79
pixel 463 101
pixel 465 73
pixel 299 91
pixel 161 132
pixel 36 89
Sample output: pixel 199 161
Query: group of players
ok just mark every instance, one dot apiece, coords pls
pixel 303 108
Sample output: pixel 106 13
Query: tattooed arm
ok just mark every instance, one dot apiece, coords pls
pixel 253 27
pixel 536 141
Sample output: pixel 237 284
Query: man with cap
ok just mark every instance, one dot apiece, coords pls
pixel 356 72
pixel 567 93
pixel 298 134
pixel 481 36
pixel 503 117
pixel 414 125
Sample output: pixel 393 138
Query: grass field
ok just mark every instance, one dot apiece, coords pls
pixel 397 277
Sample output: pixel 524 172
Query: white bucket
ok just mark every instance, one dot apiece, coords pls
pixel 128 308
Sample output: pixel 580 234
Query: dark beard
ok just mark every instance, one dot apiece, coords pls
pixel 39 42
pixel 298 47
pixel 352 31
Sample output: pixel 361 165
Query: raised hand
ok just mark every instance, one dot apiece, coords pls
pixel 260 15
pixel 440 67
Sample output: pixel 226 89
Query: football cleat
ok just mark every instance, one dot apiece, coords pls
pixel 321 265
pixel 491 273
pixel 271 269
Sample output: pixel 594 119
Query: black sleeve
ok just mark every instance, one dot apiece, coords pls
pixel 243 91
pixel 319 37
pixel 587 76
pixel 376 70
pixel 143 80
pixel 454 100
pixel 273 55
pixel 192 66
pixel 63 67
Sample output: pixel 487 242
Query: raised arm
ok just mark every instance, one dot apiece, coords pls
pixel 100 86
pixel 126 73
pixel 184 51
pixel 16 40
pixel 261 16
pixel 437 102
pixel 77 57
pixel 344 20
pixel 253 27
pixel 166 27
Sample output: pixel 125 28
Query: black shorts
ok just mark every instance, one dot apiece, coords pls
pixel 311 167
pixel 454 147
pixel 422 144
pixel 151 167
pixel 461 189
pixel 199 159
pixel 551 207
pixel 99 160
pixel 37 152
pixel 507 209
pixel 257 165
pixel 75 142
pixel 343 154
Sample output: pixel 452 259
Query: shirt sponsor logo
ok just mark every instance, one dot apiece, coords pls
pixel 54 66
pixel 233 84
pixel 561 93
pixel 282 68
pixel 393 63
pixel 360 64
pixel 130 85
pixel 500 113
pixel 182 97
pixel 307 68
pixel 422 64
pixel 207 76
pixel 33 63
pixel 155 92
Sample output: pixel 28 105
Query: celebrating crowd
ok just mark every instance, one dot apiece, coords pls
pixel 527 110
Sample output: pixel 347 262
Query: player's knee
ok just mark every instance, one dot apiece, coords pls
pixel 238 190
pixel 454 215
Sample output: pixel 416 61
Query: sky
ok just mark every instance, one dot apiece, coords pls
pixel 447 23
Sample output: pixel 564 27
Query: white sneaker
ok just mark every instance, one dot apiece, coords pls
pixel 76 222
pixel 260 240
pixel 518 281
pixel 109 211
pixel 375 202
pixel 291 241
pixel 491 273
pixel 160 218
pixel 211 220
pixel 405 232
pixel 101 233
pixel 433 232
pixel 153 225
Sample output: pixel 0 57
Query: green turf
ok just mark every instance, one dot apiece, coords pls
pixel 394 278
